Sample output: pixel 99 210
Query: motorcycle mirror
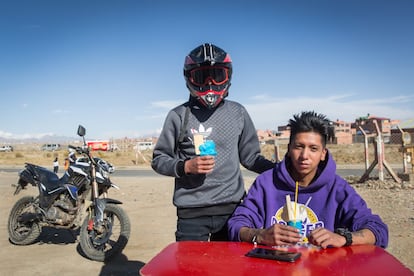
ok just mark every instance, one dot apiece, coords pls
pixel 81 131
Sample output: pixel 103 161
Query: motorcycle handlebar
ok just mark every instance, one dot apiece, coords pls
pixel 79 150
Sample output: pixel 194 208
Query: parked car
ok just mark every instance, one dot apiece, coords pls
pixel 50 147
pixel 6 148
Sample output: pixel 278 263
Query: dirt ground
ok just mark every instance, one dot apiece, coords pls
pixel 148 202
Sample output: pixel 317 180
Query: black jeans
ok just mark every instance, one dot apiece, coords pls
pixel 206 228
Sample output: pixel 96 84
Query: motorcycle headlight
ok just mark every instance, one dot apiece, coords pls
pixel 102 173
pixel 105 174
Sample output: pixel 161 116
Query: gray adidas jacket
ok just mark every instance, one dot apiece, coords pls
pixel 231 128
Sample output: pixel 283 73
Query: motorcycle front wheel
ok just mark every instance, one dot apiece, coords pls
pixel 110 238
pixel 22 230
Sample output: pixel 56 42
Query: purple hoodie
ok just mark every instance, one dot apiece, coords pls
pixel 329 201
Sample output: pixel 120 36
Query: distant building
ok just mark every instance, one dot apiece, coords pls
pixel 343 132
pixel 264 135
pixel 284 132
pixel 368 125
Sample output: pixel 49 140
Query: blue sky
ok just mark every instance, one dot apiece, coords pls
pixel 116 66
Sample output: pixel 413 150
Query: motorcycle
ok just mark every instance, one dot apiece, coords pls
pixel 77 200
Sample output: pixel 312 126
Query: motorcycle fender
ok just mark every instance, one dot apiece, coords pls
pixel 106 200
pixel 27 176
pixel 115 186
pixel 21 184
pixel 113 201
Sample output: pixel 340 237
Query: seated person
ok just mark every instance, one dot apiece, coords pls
pixel 331 211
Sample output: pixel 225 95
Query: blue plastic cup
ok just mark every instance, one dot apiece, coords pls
pixel 295 223
pixel 208 148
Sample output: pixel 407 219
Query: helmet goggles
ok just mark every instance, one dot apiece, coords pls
pixel 203 76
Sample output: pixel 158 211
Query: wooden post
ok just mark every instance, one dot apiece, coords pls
pixel 379 159
pixel 277 150
pixel 380 152
pixel 405 155
pixel 365 148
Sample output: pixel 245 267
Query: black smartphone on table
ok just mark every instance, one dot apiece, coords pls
pixel 273 254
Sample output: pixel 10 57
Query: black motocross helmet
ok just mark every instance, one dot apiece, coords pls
pixel 207 72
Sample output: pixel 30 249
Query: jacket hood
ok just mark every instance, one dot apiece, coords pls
pixel 326 174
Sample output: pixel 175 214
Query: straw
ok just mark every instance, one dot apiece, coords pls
pixel 308 201
pixel 296 198
pixel 289 207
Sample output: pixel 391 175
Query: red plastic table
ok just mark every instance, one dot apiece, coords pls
pixel 228 258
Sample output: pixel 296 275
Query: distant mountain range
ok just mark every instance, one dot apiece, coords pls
pixel 42 139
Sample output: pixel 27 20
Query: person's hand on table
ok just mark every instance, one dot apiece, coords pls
pixel 278 234
pixel 323 237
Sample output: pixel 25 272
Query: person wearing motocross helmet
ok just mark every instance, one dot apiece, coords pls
pixel 207 72
pixel 207 187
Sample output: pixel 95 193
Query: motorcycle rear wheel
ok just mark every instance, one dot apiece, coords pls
pixel 104 245
pixel 23 233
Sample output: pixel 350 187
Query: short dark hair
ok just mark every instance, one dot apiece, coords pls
pixel 309 121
